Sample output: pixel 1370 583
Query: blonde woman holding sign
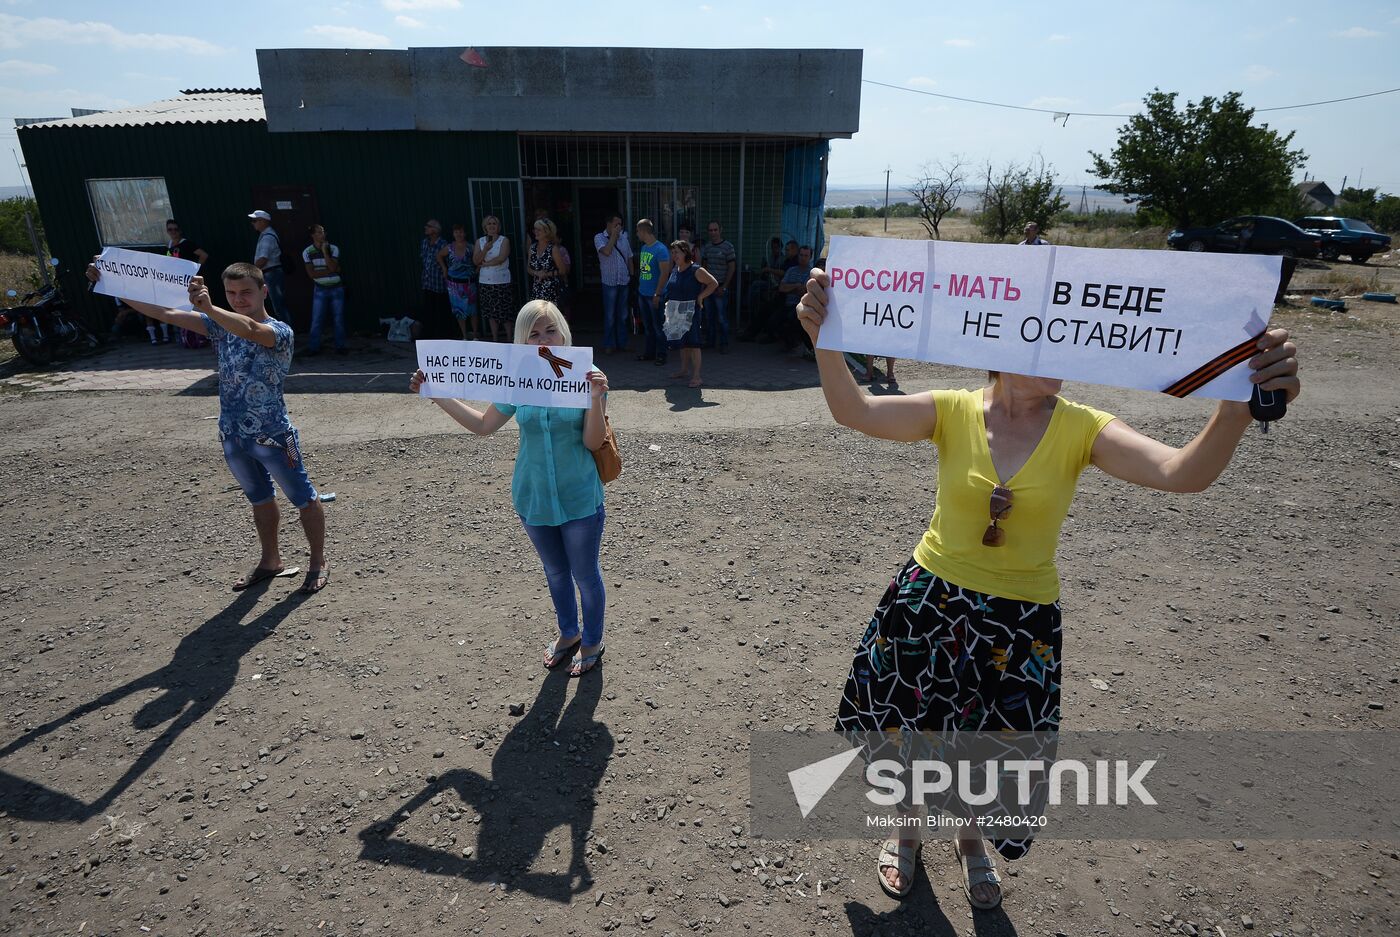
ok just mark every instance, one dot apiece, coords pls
pixel 967 636
pixel 555 489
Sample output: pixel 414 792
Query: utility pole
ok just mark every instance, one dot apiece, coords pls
pixel 887 199
pixel 38 250
pixel 23 180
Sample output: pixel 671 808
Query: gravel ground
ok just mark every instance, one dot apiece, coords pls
pixel 179 759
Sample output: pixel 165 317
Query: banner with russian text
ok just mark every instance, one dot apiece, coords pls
pixel 521 375
pixel 1179 323
pixel 146 278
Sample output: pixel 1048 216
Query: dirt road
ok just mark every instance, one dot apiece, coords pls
pixel 178 759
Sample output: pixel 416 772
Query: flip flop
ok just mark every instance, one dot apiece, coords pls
pixel 315 581
pixel 581 665
pixel 261 574
pixel 978 870
pixel 900 858
pixel 554 655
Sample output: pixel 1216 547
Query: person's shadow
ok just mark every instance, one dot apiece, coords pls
pixel 544 775
pixel 203 669
pixel 687 398
pixel 920 912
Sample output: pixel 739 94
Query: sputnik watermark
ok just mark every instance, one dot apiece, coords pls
pixel 1098 783
pixel 934 778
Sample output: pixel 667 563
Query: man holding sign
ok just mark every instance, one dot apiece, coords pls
pixel 980 595
pixel 260 444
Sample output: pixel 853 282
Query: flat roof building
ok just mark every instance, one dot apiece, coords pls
pixel 372 143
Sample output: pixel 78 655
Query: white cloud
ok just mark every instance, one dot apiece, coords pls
pixel 1057 37
pixel 769 23
pixel 706 8
pixel 350 36
pixel 1357 32
pixel 409 22
pixel 958 43
pixel 398 6
pixel 18 32
pixel 921 81
pixel 26 102
pixel 1259 73
pixel 21 67
pixel 1059 104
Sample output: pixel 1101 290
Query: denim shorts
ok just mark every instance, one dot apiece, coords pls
pixel 257 461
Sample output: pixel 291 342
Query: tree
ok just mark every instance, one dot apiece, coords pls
pixel 14 235
pixel 937 190
pixel 1015 195
pixel 1200 164
pixel 1357 203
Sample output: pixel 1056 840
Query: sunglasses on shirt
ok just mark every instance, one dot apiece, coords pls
pixel 1000 506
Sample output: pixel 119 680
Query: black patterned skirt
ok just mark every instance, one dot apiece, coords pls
pixel 940 658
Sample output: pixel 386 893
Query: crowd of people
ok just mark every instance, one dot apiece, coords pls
pixel 966 638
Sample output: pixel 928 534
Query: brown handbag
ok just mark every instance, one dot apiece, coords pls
pixel 607 456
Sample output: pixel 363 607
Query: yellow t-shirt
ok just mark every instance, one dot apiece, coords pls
pixel 1024 566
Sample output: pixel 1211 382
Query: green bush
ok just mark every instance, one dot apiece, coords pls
pixel 14 236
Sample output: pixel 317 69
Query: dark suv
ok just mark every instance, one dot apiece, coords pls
pixel 1356 239
pixel 1249 234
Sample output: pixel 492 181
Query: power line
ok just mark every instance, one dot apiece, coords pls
pixel 1067 113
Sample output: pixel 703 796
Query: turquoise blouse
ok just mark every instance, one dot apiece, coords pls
pixel 556 479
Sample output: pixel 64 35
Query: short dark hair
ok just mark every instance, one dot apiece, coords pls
pixel 775 240
pixel 791 243
pixel 715 223
pixel 613 215
pixel 243 271
pixel 171 221
pixel 682 245
pixel 646 225
pixel 805 247
pixel 459 227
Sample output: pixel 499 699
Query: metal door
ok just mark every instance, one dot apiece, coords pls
pixel 654 199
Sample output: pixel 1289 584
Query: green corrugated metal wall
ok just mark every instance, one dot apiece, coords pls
pixel 374 191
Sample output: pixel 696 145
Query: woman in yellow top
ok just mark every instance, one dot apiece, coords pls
pixel 979 600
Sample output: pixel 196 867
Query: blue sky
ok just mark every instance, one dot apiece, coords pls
pixel 1080 56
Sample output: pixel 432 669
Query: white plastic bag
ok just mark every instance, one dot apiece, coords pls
pixel 679 315
pixel 401 330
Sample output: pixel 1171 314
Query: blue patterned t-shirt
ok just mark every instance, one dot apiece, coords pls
pixel 250 381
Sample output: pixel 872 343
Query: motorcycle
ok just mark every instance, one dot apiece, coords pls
pixel 41 329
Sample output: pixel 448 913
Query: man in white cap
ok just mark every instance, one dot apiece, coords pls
pixel 267 257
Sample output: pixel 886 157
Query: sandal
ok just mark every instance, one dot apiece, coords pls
pixel 581 665
pixel 902 860
pixel 315 581
pixel 554 655
pixel 262 574
pixel 978 870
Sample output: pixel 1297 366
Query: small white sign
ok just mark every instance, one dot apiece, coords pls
pixel 1179 323
pixel 284 206
pixel 147 278
pixel 533 375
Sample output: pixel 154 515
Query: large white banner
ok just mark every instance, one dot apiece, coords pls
pixel 1179 323
pixel 147 278
pixel 515 374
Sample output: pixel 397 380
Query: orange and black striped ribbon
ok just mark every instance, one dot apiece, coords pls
pixel 1214 368
pixel 555 362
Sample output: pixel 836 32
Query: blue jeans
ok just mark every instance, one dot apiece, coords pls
pixel 569 553
pixel 333 296
pixel 255 462
pixel 272 276
pixel 716 320
pixel 615 326
pixel 651 326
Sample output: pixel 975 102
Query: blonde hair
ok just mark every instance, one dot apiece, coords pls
pixel 534 311
pixel 550 228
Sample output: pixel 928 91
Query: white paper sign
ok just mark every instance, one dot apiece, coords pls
pixel 516 374
pixel 1180 323
pixel 147 278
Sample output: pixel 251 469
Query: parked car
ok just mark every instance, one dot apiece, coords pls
pixel 1356 239
pixel 1249 234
